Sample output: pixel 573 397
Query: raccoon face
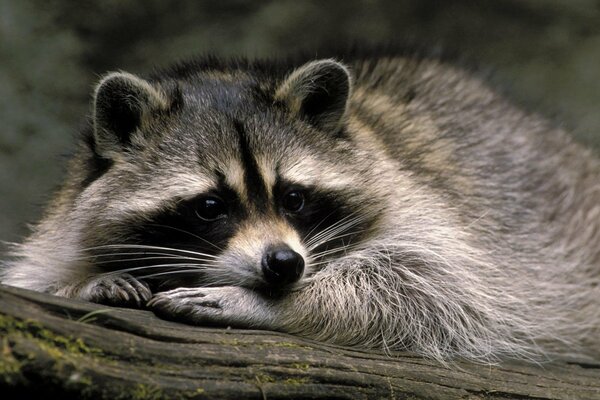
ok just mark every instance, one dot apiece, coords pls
pixel 224 180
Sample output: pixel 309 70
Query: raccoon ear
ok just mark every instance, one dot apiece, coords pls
pixel 318 91
pixel 122 101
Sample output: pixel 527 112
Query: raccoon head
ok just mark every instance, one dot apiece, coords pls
pixel 225 177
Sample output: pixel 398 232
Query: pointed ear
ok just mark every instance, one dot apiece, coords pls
pixel 122 102
pixel 318 91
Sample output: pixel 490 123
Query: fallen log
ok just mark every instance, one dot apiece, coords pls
pixel 78 350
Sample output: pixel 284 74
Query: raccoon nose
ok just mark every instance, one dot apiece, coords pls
pixel 282 266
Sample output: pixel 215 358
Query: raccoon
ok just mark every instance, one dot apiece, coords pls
pixel 393 202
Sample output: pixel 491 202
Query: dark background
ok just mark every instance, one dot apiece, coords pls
pixel 544 53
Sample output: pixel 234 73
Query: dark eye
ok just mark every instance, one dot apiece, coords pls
pixel 293 201
pixel 211 209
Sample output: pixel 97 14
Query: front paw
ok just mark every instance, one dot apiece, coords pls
pixel 116 290
pixel 222 306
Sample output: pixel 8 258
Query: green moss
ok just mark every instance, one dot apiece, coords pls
pixel 146 392
pixel 291 345
pixel 264 378
pixel 49 349
pixel 65 354
pixel 10 367
pixel 54 344
pixel 301 366
pixel 237 343
pixel 296 381
pixel 230 342
pixel 60 349
pixel 191 394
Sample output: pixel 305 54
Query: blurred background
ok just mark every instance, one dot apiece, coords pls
pixel 545 54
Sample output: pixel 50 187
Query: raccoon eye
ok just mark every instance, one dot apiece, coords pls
pixel 293 201
pixel 211 209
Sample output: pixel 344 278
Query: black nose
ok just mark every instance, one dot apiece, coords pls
pixel 282 266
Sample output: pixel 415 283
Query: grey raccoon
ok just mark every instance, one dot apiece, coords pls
pixel 395 203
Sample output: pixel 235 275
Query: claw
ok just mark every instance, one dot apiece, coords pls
pixel 220 306
pixel 123 290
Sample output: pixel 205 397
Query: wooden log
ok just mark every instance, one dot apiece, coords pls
pixel 72 349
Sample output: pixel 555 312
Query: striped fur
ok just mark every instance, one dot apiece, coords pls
pixel 438 217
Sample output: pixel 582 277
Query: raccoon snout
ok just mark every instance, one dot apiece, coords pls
pixel 282 265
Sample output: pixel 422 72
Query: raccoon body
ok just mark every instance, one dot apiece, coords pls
pixel 394 203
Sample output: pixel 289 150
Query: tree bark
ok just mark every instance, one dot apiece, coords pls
pixel 79 350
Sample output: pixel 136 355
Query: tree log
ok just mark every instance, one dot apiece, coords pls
pixel 79 350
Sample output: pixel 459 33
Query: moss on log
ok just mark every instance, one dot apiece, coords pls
pixel 78 350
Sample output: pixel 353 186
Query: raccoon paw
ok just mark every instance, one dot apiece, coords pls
pixel 222 306
pixel 117 290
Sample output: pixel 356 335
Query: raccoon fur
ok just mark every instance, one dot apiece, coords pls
pixel 393 202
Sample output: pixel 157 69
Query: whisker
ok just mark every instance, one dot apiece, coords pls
pixel 344 223
pixel 326 236
pixel 314 264
pixel 317 225
pixel 139 253
pixel 333 251
pixel 126 260
pixel 181 271
pixel 335 226
pixel 126 270
pixel 141 246
pixel 188 233
pixel 330 239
